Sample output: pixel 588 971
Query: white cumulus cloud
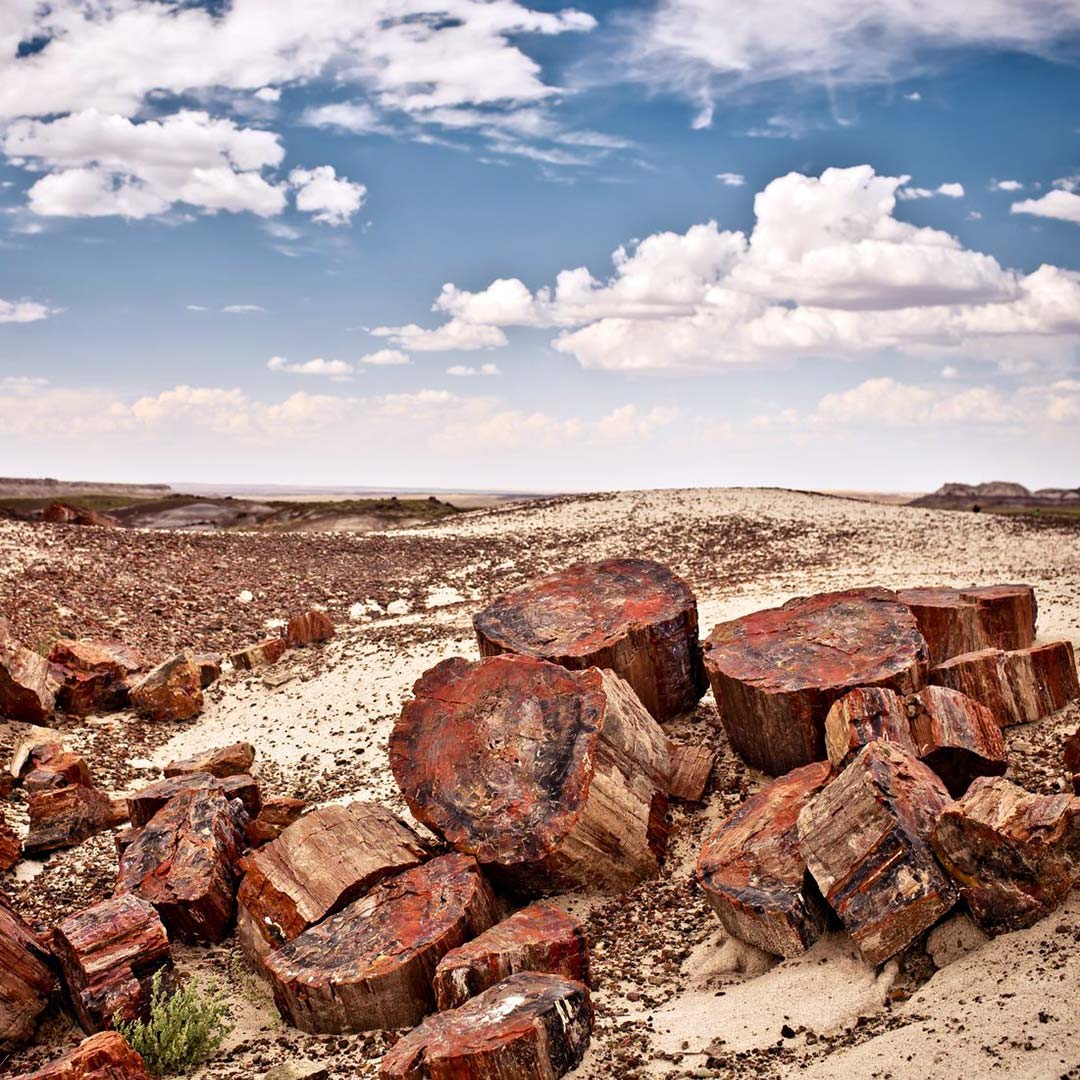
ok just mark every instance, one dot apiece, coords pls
pixel 1060 204
pixel 385 358
pixel 465 371
pixel 337 370
pixel 327 197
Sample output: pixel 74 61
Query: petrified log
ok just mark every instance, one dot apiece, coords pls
pixel 1072 758
pixel 33 740
pixel 324 861
pixel 108 955
pixel 775 673
pixel 277 814
pixel 1017 687
pixel 753 874
pixel 27 688
pixel 691 767
pixel 64 817
pixel 371 965
pixel 105 1056
pixel 1014 855
pixel 309 628
pixel 10 844
pixel 186 863
pixel 540 937
pixel 171 691
pixel 51 765
pixel 26 979
pixel 956 736
pixel 556 779
pixel 261 654
pixel 58 513
pixel 226 761
pixel 861 716
pixel 633 616
pixel 866 840
pixel 146 802
pixel 530 1026
pixel 209 665
pixel 93 675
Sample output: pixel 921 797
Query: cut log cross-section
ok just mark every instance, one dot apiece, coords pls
pixel 540 937
pixel 862 716
pixel 753 874
pixel 324 861
pixel 26 979
pixel 105 1056
pixel 371 965
pixel 529 1026
pixel 630 615
pixel 109 954
pixel 775 673
pixel 554 779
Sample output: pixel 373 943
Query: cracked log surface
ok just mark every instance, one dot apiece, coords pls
pixel 860 717
pixel 555 779
pixel 64 817
pixel 92 674
pixel 106 1056
pixel 26 978
pixel 147 801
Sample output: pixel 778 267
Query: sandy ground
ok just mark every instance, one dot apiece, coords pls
pixel 674 997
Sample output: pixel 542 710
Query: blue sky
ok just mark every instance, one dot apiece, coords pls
pixel 823 244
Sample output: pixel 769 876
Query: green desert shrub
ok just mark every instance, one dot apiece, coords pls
pixel 185 1027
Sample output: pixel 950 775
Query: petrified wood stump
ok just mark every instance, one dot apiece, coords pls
pixel 105 1056
pixel 277 814
pixel 956 736
pixel 529 1027
pixel 1017 687
pixel 109 954
pixel 1014 855
pixel 261 654
pixel 92 674
pixel 185 863
pixel 64 817
pixel 371 965
pixel 26 979
pixel 866 840
pixel 171 691
pixel 146 802
pixel 630 615
pixel 775 673
pixel 753 874
pixel 555 779
pixel 540 937
pixel 308 629
pixel 225 761
pixel 861 716
pixel 27 687
pixel 691 767
pixel 324 861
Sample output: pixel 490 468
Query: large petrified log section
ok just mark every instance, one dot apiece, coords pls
pixel 956 736
pixel 1014 855
pixel 775 673
pixel 753 874
pixel 633 616
pixel 26 979
pixel 555 779
pixel 540 937
pixel 956 621
pixel 185 863
pixel 105 1056
pixel 108 955
pixel 146 802
pixel 866 840
pixel 324 861
pixel 64 817
pixel 371 965
pixel 860 717
pixel 1017 687
pixel 225 761
pixel 27 688
pixel 171 691
pixel 529 1027
pixel 93 675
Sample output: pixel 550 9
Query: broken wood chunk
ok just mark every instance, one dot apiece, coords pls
pixel 1014 855
pixel 753 873
pixel 171 691
pixel 327 859
pixel 277 814
pixel 956 736
pixel 1072 758
pixel 866 841
pixel 540 937
pixel 32 742
pixel 371 965
pixel 51 765
pixel 226 761
pixel 27 687
pixel 64 817
pixel 308 629
pixel 530 1026
pixel 635 617
pixel 146 802
pixel 209 665
pixel 93 674
pixel 261 654
pixel 776 673
pixel 10 844
pixel 105 1056
pixel 861 716
pixel 109 954
pixel 691 767
pixel 185 862
pixel 26 979
pixel 587 766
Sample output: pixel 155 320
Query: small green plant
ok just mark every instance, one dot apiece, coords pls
pixel 186 1026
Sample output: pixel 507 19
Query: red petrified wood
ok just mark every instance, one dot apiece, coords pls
pixel 10 844
pixel 93 675
pixel 1014 855
pixel 226 761
pixel 861 716
pixel 106 1056
pixel 775 673
pixel 753 874
pixel 530 1027
pixel 324 861
pixel 632 616
pixel 51 765
pixel 171 691
pixel 956 736
pixel 277 814
pixel 26 979
pixel 1072 758
pixel 109 954
pixel 185 863
pixel 27 688
pixel 1017 687
pixel 146 802
pixel 261 654
pixel 540 937
pixel 309 628
pixel 371 965
pixel 64 817
pixel 556 779
pixel 866 840
pixel 691 767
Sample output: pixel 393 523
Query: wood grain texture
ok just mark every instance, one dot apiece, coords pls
pixel 64 817
pixel 27 687
pixel 860 717
pixel 171 691
pixel 26 978
pixel 105 1056
pixel 221 762
pixel 691 768
pixel 147 801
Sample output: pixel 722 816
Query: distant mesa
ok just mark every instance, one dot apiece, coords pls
pixel 1000 496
